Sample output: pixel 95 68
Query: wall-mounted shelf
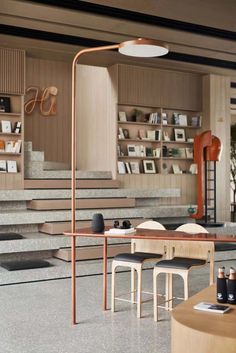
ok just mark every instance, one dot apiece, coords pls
pixel 11 134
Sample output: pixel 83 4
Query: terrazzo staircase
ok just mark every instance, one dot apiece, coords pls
pixel 41 213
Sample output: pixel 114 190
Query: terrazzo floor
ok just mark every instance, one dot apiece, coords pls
pixel 36 317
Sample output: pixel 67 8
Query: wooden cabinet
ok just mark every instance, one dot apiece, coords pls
pixel 151 87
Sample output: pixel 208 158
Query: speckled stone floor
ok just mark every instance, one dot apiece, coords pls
pixel 36 317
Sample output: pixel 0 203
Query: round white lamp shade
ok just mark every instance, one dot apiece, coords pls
pixel 144 48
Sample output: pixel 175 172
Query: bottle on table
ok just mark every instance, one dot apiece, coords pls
pixel 232 286
pixel 221 286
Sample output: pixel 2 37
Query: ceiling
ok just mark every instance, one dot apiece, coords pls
pixel 201 34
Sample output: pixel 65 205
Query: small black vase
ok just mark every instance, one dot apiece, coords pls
pixel 97 223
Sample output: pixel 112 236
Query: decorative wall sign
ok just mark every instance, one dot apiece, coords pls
pixel 44 98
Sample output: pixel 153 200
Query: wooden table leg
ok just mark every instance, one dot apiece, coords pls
pixel 73 278
pixel 105 274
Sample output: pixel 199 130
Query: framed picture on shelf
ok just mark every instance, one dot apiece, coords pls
pixel 151 134
pixel 3 166
pixel 122 116
pixel 11 167
pixel 9 146
pixel 166 136
pixel 183 120
pixel 179 135
pixel 193 169
pixel 121 167
pixel 126 133
pixel 149 167
pixel 6 126
pixel 131 151
pixel 158 135
pixel 189 152
pixel 128 167
pixel 5 105
pixel 135 167
pixel 176 169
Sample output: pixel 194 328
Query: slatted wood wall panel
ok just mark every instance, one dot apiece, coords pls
pixel 12 71
pixel 50 134
pixel 186 183
pixel 217 107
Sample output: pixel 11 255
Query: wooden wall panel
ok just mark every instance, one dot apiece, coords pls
pixel 96 121
pixel 186 183
pixel 50 134
pixel 12 71
pixel 216 90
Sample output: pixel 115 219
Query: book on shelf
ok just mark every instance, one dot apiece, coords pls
pixel 121 167
pixel 183 120
pixel 137 150
pixel 151 134
pixel 127 165
pixel 3 166
pixel 154 118
pixel 2 146
pixel 212 308
pixel 131 150
pixel 196 121
pixel 17 127
pixel 164 118
pixel 149 152
pixel 189 152
pixel 120 231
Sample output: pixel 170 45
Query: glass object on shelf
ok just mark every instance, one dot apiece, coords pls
pixel 121 167
pixel 149 167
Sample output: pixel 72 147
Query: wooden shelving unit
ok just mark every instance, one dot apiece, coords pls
pixel 131 130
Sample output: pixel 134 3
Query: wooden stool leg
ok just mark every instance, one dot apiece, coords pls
pixel 139 292
pixel 155 308
pixel 113 287
pixel 167 292
pixel 133 285
pixel 170 291
pixel 185 278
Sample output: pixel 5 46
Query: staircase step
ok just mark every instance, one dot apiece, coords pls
pixel 80 204
pixel 34 156
pixel 55 228
pixel 66 184
pixel 50 165
pixel 65 174
pixel 92 252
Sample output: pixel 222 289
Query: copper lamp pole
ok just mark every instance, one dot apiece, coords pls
pixel 139 48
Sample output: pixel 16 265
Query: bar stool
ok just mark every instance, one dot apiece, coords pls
pixel 185 255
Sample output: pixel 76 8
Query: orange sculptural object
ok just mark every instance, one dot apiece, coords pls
pixel 207 147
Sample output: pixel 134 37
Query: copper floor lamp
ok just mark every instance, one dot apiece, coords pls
pixel 137 48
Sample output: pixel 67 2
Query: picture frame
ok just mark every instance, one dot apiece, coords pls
pixel 11 167
pixel 121 167
pixel 183 120
pixel 164 118
pixel 135 167
pixel 6 126
pixel 126 133
pixel 151 134
pixel 131 150
pixel 9 146
pixel 176 169
pixel 149 152
pixel 120 134
pixel 149 167
pixel 189 152
pixel 158 135
pixel 5 105
pixel 179 135
pixel 122 116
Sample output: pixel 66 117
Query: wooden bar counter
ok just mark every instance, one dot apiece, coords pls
pixel 202 332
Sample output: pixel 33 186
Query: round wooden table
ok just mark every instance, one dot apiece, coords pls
pixel 202 332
